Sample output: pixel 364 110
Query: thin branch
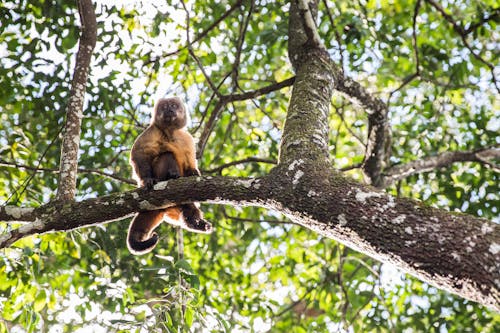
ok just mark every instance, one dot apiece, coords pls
pixel 209 126
pixel 28 180
pixel 239 46
pixel 411 77
pixel 212 97
pixel 378 128
pixel 414 37
pixel 337 35
pixel 224 99
pixel 203 33
pixel 474 26
pixel 191 52
pixel 52 170
pixel 445 159
pixel 309 25
pixel 74 113
pixel 107 175
pixel 243 161
pixel 261 91
pixel 463 36
pixel 340 281
pixel 343 121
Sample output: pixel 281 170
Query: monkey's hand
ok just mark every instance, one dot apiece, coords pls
pixel 192 172
pixel 148 183
pixel 172 173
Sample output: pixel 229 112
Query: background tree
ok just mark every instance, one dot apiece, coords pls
pixel 412 89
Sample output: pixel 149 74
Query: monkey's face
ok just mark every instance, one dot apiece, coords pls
pixel 170 113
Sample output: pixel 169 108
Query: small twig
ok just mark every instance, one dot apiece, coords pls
pixel 202 34
pixel 343 121
pixel 462 33
pixel 224 99
pixel 445 159
pixel 191 52
pixel 53 170
pixel 337 35
pixel 239 46
pixel 340 282
pixel 212 96
pixel 28 180
pixel 245 160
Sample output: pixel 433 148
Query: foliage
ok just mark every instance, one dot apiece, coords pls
pixel 255 272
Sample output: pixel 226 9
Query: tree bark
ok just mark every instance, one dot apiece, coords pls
pixel 74 112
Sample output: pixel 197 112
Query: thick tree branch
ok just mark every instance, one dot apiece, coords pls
pixel 377 150
pixel 304 47
pixel 455 252
pixel 63 216
pixel 445 159
pixel 16 214
pixel 74 113
pixel 302 167
pixel 305 134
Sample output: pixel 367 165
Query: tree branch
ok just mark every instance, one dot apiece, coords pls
pixel 80 170
pixel 309 24
pixel 473 26
pixel 379 133
pixel 225 99
pixel 245 160
pixel 463 36
pixel 305 134
pixel 74 113
pixel 456 252
pixel 445 159
pixel 202 34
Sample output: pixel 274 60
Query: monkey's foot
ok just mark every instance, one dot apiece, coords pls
pixel 198 225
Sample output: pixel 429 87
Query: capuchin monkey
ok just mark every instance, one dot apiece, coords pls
pixel 165 150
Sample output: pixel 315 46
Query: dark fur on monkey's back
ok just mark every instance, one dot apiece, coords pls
pixel 165 150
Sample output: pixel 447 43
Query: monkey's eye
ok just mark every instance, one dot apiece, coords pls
pixel 173 105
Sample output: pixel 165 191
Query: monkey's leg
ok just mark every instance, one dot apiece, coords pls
pixel 193 219
pixel 141 238
pixel 165 167
pixel 187 216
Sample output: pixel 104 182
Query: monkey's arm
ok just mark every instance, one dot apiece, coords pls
pixel 184 151
pixel 191 168
pixel 143 167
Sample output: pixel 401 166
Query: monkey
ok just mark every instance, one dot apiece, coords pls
pixel 165 150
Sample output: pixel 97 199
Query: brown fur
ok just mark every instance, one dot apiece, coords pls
pixel 165 150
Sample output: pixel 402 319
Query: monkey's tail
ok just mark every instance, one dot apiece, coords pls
pixel 141 238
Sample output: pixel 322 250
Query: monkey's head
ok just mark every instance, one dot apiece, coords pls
pixel 169 113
